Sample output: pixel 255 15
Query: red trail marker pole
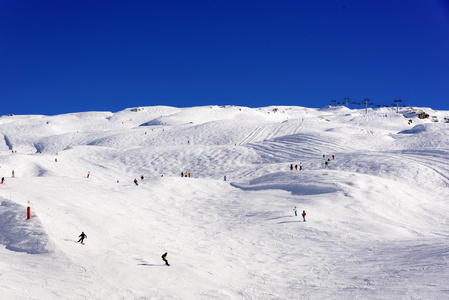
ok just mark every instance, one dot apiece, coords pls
pixel 28 213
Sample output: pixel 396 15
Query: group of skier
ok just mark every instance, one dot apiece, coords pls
pixel 326 162
pixel 296 167
pixel 83 236
pixel 3 178
pixel 135 180
pixel 303 213
pixel 186 174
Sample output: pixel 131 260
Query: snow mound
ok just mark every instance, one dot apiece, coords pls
pixel 19 234
pixel 425 128
pixel 284 181
pixel 156 122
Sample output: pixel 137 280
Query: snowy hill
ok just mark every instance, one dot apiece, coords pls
pixel 377 215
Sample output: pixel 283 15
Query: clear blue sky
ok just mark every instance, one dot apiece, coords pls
pixel 72 56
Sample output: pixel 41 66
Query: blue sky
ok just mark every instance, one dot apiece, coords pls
pixel 72 56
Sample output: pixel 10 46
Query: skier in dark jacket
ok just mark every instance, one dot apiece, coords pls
pixel 135 181
pixel 82 237
pixel 164 258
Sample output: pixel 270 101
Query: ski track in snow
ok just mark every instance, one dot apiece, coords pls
pixel 377 225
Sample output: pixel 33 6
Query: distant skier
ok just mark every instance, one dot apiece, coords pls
pixel 333 157
pixel 304 215
pixel 135 181
pixel 185 175
pixel 3 179
pixel 224 178
pixel 13 174
pixel 291 167
pixel 141 177
pixel 326 164
pixel 296 167
pixel 300 166
pixel 296 212
pixel 182 174
pixel 164 258
pixel 82 237
pixel 88 174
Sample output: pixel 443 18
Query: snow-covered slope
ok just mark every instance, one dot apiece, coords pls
pixel 377 216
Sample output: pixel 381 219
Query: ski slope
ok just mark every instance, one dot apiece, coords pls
pixel 377 216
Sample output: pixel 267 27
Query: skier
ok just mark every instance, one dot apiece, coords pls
pixel 304 215
pixel 182 174
pixel 185 175
pixel 141 177
pixel 224 178
pixel 82 237
pixel 296 212
pixel 88 174
pixel 300 166
pixel 333 157
pixel 325 164
pixel 164 258
pixel 13 174
pixel 135 181
pixel 3 179
pixel 291 167
pixel 296 167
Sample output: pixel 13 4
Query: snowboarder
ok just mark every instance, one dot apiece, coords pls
pixel 304 215
pixel 296 212
pixel 82 237
pixel 164 258
pixel 135 181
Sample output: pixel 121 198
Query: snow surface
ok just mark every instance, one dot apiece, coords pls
pixel 377 217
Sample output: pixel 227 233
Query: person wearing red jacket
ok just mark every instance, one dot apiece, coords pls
pixel 304 215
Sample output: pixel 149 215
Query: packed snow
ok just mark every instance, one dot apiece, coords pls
pixel 377 216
